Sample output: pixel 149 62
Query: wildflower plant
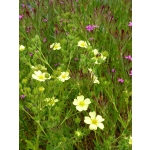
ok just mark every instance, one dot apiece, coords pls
pixel 94 121
pixel 81 103
pixel 75 75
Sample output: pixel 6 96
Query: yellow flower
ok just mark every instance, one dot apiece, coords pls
pixel 94 121
pixel 38 75
pixel 51 101
pixel 95 51
pixel 130 140
pixel 55 46
pixel 83 44
pixel 21 48
pixel 81 103
pixel 64 76
pixel 95 80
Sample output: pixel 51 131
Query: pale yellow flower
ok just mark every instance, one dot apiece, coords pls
pixel 38 75
pixel 55 46
pixel 90 70
pixel 21 48
pixel 51 101
pixel 94 121
pixel 95 51
pixel 81 103
pixel 64 76
pixel 130 140
pixel 95 80
pixel 83 44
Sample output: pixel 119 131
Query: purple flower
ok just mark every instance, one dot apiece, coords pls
pixel 20 16
pixel 89 28
pixel 128 57
pixel 44 40
pixel 76 59
pixel 50 2
pixel 45 20
pixel 31 54
pixel 130 73
pixel 22 96
pixel 130 24
pixel 113 70
pixel 120 80
pixel 91 39
pixel 23 5
pixel 61 2
pixel 28 29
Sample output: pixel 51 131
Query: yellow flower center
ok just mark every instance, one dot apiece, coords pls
pixel 83 44
pixel 52 102
pixel 81 103
pixel 63 76
pixel 56 46
pixel 41 77
pixel 94 121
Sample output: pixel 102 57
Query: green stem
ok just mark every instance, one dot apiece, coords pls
pixel 35 121
pixel 68 117
pixel 96 137
pixel 38 136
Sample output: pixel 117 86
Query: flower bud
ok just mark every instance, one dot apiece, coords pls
pixel 41 89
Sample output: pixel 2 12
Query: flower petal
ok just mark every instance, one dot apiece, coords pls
pixel 99 118
pixel 87 101
pixel 92 114
pixel 75 102
pixel 87 120
pixel 85 107
pixel 81 97
pixel 79 108
pixel 34 77
pixel 100 125
pixel 93 127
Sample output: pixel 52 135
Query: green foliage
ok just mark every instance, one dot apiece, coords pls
pixel 48 118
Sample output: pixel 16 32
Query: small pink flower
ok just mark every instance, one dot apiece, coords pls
pixel 130 73
pixel 45 20
pixel 61 2
pixel 120 80
pixel 44 40
pixel 23 5
pixel 31 54
pixel 20 16
pixel 130 24
pixel 128 57
pixel 28 29
pixel 22 96
pixel 76 59
pixel 50 2
pixel 113 70
pixel 91 39
pixel 89 28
